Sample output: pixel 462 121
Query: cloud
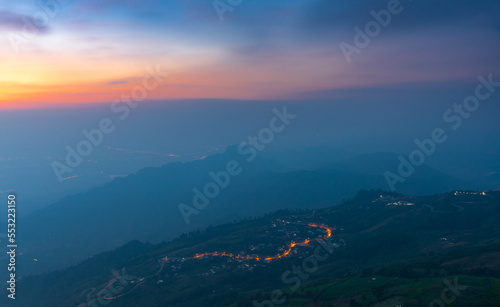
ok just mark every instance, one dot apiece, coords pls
pixel 321 14
pixel 12 21
pixel 117 82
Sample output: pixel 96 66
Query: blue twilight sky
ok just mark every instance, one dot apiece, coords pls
pixel 90 51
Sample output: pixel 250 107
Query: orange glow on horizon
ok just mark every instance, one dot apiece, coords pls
pixel 76 78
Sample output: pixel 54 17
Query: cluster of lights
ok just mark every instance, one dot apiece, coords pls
pixel 468 193
pixel 400 203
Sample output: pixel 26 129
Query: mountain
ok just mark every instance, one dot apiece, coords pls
pixel 424 180
pixel 145 206
pixel 377 249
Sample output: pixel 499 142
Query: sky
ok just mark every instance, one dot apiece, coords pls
pixel 89 51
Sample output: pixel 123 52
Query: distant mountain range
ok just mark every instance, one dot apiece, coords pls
pixel 145 206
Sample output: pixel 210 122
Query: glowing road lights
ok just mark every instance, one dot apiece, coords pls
pixel 269 258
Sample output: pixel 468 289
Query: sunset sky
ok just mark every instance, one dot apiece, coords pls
pixel 95 51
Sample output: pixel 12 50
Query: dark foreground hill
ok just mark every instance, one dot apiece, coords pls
pixel 385 249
